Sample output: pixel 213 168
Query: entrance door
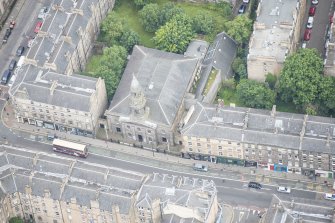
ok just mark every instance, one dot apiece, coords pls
pixel 140 138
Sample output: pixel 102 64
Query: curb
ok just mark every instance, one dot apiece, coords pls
pixel 232 211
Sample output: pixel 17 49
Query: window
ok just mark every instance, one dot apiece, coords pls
pixel 70 122
pixel 118 129
pixel 139 129
pixel 62 114
pixel 47 111
pixel 68 110
pixel 150 139
pixel 39 218
pixel 190 143
pixel 198 144
pixel 219 147
pixel 149 131
pixel 41 110
pixel 208 146
pixel 190 149
pixel 220 153
pixel 164 139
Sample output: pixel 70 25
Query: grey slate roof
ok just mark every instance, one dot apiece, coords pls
pixel 164 78
pixel 219 56
pixel 76 89
pixel 261 127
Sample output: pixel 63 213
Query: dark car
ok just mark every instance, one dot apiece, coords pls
pixel 242 9
pixel 307 34
pixel 312 11
pixel 254 185
pixel 12 65
pixel 7 34
pixel 5 77
pixel 20 51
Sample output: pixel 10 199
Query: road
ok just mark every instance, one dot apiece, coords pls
pixel 321 21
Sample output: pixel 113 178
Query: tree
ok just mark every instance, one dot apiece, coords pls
pixel 175 35
pixel 271 80
pixel 254 94
pixel 113 26
pixel 169 11
pixel 111 67
pixel 300 78
pixel 239 68
pixel 203 23
pixel 327 92
pixel 150 17
pixel 141 3
pixel 239 29
pixel 129 39
pixel 16 220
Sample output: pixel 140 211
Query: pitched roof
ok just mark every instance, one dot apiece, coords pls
pixel 164 78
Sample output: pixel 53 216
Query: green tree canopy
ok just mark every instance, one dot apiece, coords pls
pixel 254 94
pixel 117 32
pixel 203 23
pixel 271 80
pixel 168 11
pixel 141 3
pixel 111 67
pixel 175 35
pixel 327 92
pixel 300 78
pixel 239 68
pixel 239 29
pixel 150 17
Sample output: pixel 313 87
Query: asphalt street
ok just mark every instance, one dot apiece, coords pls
pixel 321 21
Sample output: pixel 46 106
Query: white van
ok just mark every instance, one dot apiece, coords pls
pixel 310 22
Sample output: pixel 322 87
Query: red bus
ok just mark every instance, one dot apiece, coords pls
pixel 71 148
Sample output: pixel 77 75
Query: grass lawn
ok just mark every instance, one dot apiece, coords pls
pixel 228 95
pixel 128 11
pixel 286 107
pixel 92 64
pixel 210 80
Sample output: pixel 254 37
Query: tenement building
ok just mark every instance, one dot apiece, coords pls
pixel 276 35
pixel 51 189
pixel 273 140
pixel 149 101
pixel 44 89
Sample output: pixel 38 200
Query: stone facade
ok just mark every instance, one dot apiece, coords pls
pixel 273 140
pixel 149 101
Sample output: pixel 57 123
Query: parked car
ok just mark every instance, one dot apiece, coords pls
pixel 312 11
pixel 329 196
pixel 331 19
pixel 315 2
pixel 38 27
pixel 5 77
pixel 286 190
pixel 254 185
pixel 20 51
pixel 242 9
pixel 200 167
pixel 310 22
pixel 7 34
pixel 42 12
pixel 246 1
pixel 303 45
pixel 307 34
pixel 12 65
pixel 12 24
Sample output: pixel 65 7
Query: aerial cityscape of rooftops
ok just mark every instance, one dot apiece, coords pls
pixel 172 111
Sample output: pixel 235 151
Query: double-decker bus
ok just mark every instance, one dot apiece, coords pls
pixel 71 148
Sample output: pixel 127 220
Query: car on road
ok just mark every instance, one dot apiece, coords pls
pixel 12 24
pixel 5 77
pixel 315 2
pixel 42 12
pixel 7 34
pixel 312 11
pixel 12 65
pixel 286 190
pixel 242 9
pixel 200 167
pixel 255 185
pixel 20 51
pixel 307 34
pixel 38 27
pixel 329 196
pixel 310 22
